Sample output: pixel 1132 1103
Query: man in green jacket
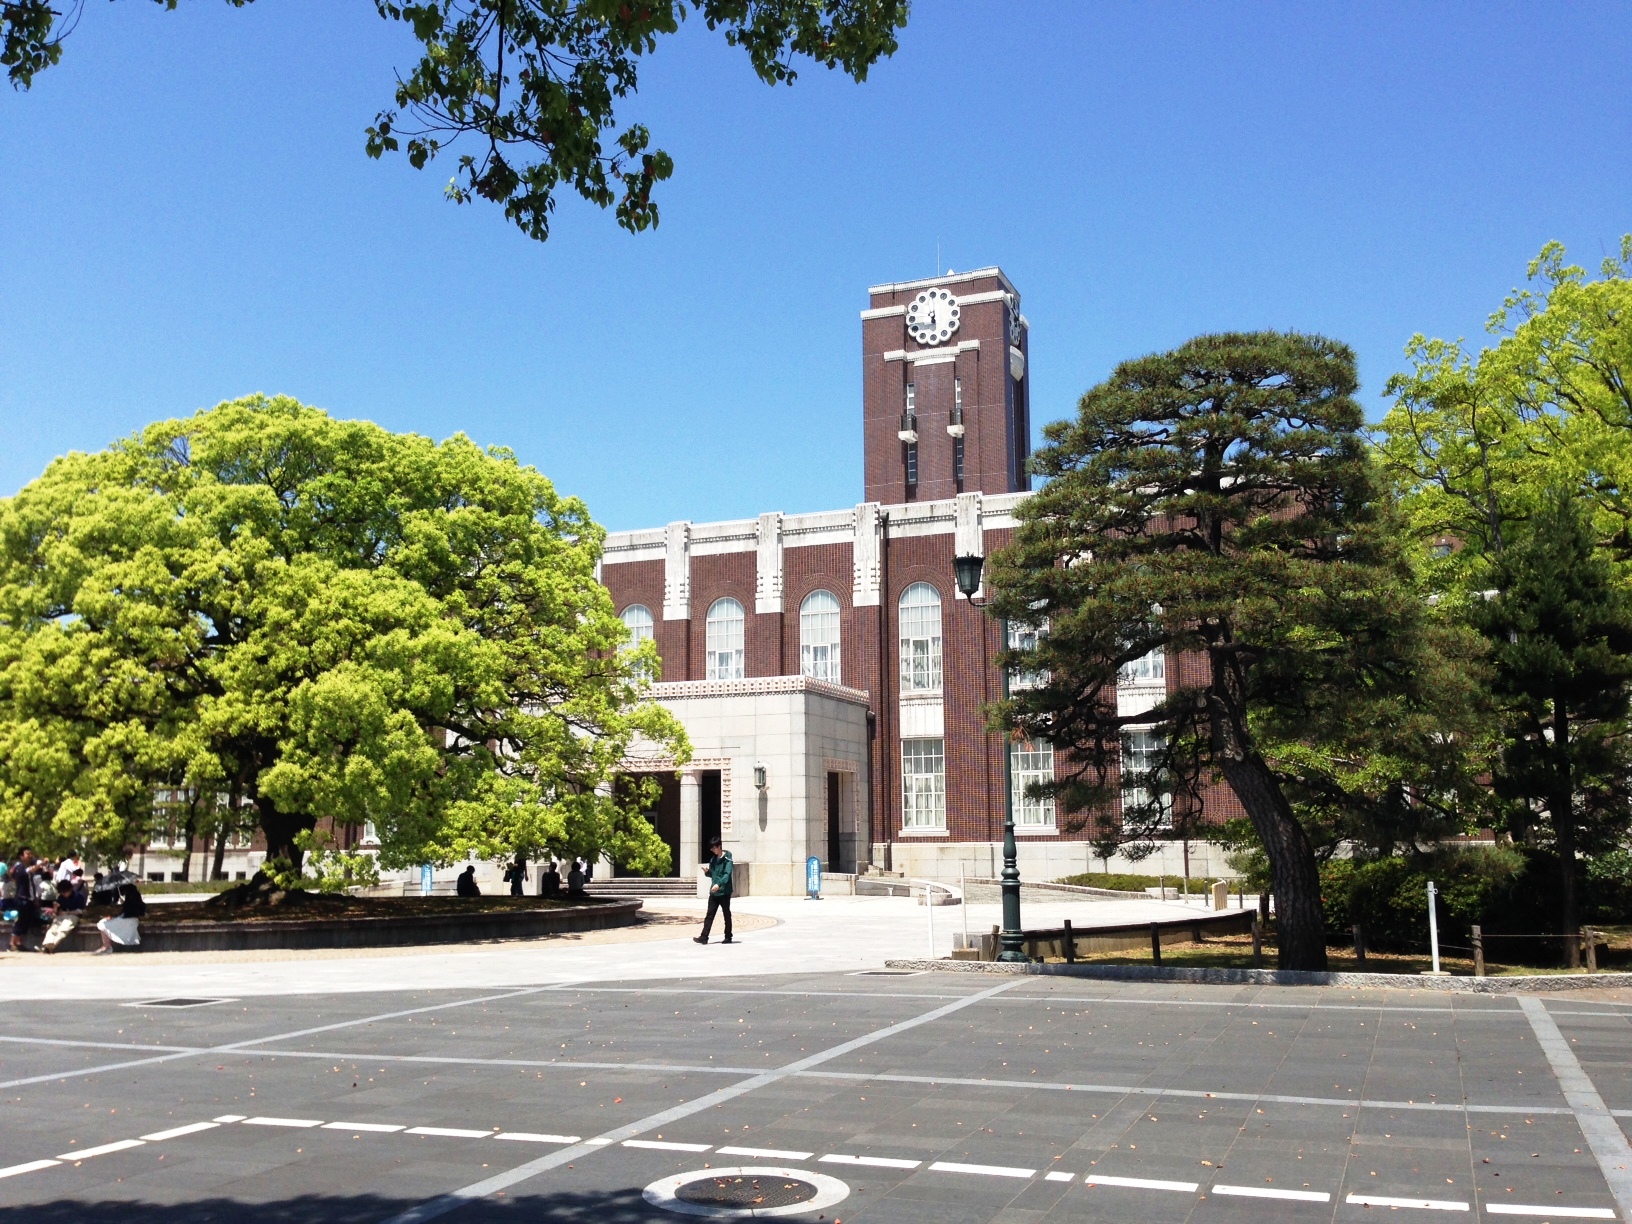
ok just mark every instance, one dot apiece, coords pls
pixel 719 890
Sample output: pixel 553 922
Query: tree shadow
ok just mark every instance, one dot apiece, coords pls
pixel 622 1206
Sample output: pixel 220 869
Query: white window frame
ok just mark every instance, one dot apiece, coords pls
pixel 1147 671
pixel 820 630
pixel 1026 637
pixel 1031 761
pixel 1136 797
pixel 724 637
pixel 919 630
pixel 642 626
pixel 923 785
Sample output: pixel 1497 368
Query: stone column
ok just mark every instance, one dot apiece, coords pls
pixel 691 824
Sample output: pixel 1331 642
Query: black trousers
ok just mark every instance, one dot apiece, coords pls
pixel 718 904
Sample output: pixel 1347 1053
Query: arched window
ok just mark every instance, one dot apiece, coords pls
pixel 722 654
pixel 920 625
pixel 819 636
pixel 637 618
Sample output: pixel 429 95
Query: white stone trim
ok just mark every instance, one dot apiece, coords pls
pixel 923 716
pixel 968 534
pixel 933 356
pixel 677 572
pixel 686 690
pixel 768 564
pixel 883 312
pixel 951 278
pixel 866 555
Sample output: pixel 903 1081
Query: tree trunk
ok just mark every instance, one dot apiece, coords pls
pixel 218 869
pixel 188 831
pixel 1300 924
pixel 280 829
pixel 1294 876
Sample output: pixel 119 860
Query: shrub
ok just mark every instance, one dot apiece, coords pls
pixel 1389 897
pixel 1607 883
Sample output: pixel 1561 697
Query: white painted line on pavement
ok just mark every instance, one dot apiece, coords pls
pixel 597 1141
pixel 449 1132
pixel 1060 1177
pixel 949 1166
pixel 1568 1213
pixel 877 1162
pixel 1378 1200
pixel 224 1118
pixel 86 1153
pixel 530 1137
pixel 663 1145
pixel 1139 1183
pixel 1269 1192
pixel 432 1208
pixel 765 1153
pixel 296 1122
pixel 31 1167
pixel 179 1131
pixel 381 1127
pixel 1603 1134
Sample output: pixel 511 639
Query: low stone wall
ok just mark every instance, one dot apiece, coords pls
pixel 1516 984
pixel 367 931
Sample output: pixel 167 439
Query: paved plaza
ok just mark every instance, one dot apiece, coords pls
pixel 615 1091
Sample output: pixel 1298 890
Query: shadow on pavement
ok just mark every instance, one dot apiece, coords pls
pixel 622 1206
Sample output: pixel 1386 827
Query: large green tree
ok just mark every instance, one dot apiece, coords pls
pixel 326 621
pixel 525 93
pixel 1217 503
pixel 1561 635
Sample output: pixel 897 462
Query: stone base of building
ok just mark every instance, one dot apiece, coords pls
pixel 1043 860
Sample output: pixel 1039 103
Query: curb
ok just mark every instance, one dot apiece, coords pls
pixel 1281 977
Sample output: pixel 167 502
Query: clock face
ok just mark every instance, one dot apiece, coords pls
pixel 1015 326
pixel 933 316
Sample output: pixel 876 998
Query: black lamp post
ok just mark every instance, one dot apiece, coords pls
pixel 1012 939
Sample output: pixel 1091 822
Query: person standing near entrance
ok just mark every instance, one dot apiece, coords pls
pixel 719 890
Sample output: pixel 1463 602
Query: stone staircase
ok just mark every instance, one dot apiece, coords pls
pixel 641 886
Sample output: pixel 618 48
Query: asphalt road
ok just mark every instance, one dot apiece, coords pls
pixel 932 1097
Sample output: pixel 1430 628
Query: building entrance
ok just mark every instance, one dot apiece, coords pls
pixel 835 812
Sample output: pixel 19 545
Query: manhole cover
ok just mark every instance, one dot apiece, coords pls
pixel 746 1193
pixel 746 1190
pixel 177 1002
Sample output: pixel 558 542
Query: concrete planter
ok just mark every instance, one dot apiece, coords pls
pixel 367 932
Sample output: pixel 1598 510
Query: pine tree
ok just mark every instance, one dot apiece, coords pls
pixel 1561 641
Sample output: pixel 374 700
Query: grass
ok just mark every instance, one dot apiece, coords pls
pixel 1235 952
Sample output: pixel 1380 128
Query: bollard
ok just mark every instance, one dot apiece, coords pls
pixel 1359 945
pixel 1478 952
pixel 1589 938
pixel 1156 943
pixel 1257 942
pixel 1070 944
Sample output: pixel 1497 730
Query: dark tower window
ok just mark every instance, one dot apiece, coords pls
pixel 909 436
pixel 956 430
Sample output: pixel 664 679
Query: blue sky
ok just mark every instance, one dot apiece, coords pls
pixel 186 215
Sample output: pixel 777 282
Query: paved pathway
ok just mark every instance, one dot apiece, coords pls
pixel 840 933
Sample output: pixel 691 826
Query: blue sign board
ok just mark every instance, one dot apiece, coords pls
pixel 425 879
pixel 813 878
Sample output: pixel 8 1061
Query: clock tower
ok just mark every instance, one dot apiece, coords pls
pixel 946 393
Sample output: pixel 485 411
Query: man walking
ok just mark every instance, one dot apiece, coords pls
pixel 719 890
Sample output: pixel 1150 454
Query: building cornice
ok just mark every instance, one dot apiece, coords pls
pixel 687 690
pixel 951 278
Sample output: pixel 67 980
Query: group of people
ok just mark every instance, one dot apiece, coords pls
pixel 37 894
pixel 515 875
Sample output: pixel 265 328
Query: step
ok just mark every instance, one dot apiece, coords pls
pixel 642 887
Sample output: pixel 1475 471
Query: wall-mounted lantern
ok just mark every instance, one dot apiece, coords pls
pixel 759 777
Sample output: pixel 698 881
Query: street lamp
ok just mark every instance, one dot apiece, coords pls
pixel 1012 939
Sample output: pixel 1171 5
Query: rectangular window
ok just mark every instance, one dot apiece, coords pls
pixel 1026 637
pixel 1141 754
pixel 923 784
pixel 1147 669
pixel 1031 762
pixel 957 438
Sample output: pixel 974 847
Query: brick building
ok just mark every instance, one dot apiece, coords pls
pixel 828 671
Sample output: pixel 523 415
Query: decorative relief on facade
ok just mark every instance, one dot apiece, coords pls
pixel 677 572
pixel 968 538
pixel 768 570
pixel 678 690
pixel 696 765
pixel 866 553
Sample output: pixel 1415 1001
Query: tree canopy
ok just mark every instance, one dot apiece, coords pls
pixel 1217 504
pixel 327 621
pixel 526 92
